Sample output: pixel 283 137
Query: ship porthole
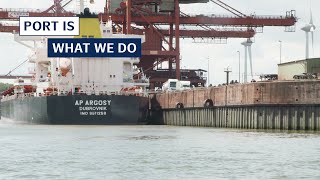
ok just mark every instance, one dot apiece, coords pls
pixel 208 103
pixel 179 106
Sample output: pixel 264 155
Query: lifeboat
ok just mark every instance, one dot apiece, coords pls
pixel 28 89
pixel 8 91
pixel 49 91
pixel 131 90
pixel 124 89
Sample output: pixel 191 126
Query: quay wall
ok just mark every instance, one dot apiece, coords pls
pixel 260 93
pixel 289 105
pixel 247 117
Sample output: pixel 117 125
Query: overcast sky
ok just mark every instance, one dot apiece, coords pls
pixel 266 51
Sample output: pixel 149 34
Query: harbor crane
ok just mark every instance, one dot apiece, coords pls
pixel 164 24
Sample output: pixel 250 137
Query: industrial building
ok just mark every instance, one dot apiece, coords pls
pixel 300 69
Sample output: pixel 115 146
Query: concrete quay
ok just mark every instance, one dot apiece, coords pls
pixel 289 105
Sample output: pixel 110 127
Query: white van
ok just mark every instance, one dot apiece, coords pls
pixel 171 85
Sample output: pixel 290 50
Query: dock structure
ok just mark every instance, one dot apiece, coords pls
pixel 247 117
pixel 287 105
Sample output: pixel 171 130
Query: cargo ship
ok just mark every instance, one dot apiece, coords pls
pixel 90 91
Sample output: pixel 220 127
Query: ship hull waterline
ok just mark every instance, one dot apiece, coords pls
pixel 78 110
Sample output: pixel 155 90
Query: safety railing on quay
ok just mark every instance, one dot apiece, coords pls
pixel 288 15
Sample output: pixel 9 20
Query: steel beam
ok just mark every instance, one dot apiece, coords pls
pixel 254 21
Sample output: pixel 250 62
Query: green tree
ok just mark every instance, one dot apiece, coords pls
pixel 5 86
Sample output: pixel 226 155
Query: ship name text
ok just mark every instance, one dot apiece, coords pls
pixel 93 102
pixel 93 107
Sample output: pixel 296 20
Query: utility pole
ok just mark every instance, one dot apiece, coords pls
pixel 227 71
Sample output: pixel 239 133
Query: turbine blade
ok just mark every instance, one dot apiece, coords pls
pixel 311 18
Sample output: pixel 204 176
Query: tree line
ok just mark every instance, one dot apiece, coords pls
pixel 5 86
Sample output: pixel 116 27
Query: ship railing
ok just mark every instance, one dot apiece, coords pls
pixel 128 93
pixel 24 95
pixel 17 96
pixel 68 93
pixel 8 97
pixel 125 93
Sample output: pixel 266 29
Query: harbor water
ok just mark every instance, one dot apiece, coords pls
pixel 155 152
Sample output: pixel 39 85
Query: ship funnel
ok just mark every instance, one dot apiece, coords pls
pixel 86 12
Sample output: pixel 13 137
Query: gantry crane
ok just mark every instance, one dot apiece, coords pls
pixel 161 22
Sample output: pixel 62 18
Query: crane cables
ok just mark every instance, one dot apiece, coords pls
pixel 229 8
pixel 16 67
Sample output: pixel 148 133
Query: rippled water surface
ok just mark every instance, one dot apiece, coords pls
pixel 154 152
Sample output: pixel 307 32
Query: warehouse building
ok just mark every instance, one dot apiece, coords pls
pixel 301 69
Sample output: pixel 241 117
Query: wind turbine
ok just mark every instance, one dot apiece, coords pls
pixel 247 49
pixel 309 28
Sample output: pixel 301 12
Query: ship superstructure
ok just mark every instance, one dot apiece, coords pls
pixel 83 75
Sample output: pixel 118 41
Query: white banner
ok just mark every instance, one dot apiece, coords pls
pixel 49 26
